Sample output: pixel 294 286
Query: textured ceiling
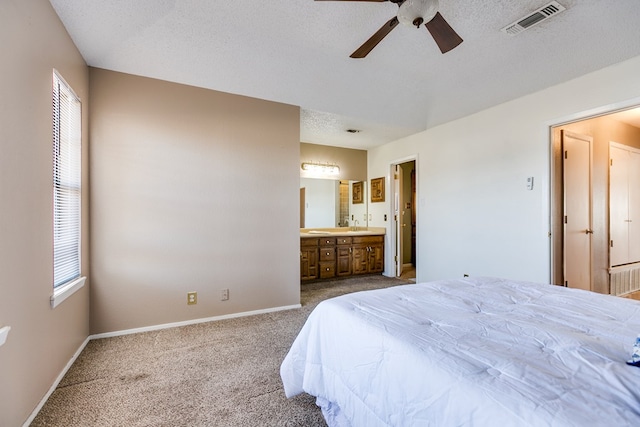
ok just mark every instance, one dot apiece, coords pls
pixel 297 52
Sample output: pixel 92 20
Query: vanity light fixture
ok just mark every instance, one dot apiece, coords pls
pixel 321 168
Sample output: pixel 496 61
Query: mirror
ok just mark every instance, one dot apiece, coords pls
pixel 328 203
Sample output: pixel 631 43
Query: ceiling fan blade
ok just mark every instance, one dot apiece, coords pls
pixel 373 41
pixel 446 38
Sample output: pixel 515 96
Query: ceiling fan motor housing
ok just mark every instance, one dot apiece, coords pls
pixel 415 12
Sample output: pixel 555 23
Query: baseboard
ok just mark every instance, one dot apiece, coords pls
pixel 192 322
pixel 56 382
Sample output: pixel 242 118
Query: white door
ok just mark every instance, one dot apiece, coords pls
pixel 577 209
pixel 397 217
pixel 624 204
pixel 618 205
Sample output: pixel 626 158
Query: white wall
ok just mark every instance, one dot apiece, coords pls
pixel 474 212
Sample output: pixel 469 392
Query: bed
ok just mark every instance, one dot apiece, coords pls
pixel 475 351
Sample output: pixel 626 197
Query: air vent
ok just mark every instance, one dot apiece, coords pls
pixel 542 14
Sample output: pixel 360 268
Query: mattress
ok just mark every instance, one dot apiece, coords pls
pixel 476 351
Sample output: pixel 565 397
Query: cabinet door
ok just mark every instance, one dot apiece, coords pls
pixel 343 260
pixel 308 263
pixel 360 259
pixel 376 258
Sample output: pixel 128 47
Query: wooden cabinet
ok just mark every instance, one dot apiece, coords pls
pixel 343 256
pixel 327 258
pixel 368 254
pixel 308 259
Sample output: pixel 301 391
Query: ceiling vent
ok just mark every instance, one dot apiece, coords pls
pixel 542 14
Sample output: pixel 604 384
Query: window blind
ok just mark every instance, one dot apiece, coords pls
pixel 66 182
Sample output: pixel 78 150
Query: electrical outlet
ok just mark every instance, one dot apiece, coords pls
pixel 192 298
pixel 224 294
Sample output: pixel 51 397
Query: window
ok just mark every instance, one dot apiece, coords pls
pixel 66 189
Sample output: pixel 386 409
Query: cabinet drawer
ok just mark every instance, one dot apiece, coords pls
pixel 327 269
pixel 368 239
pixel 309 242
pixel 344 240
pixel 327 241
pixel 327 254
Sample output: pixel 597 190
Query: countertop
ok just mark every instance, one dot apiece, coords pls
pixel 343 231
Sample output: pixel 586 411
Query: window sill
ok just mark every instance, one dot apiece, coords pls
pixel 63 292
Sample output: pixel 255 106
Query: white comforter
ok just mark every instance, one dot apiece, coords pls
pixel 484 352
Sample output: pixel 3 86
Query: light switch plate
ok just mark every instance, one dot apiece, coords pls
pixel 4 332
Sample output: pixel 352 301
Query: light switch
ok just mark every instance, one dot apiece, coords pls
pixel 4 332
pixel 529 183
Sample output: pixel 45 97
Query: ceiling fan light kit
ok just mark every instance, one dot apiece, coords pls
pixel 417 12
pixel 413 13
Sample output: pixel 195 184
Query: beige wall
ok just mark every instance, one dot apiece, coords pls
pixel 42 340
pixel 603 130
pixel 192 190
pixel 353 163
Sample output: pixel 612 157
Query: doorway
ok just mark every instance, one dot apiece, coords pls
pixel 404 219
pixel 583 197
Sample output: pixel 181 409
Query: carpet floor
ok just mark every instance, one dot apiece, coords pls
pixel 222 373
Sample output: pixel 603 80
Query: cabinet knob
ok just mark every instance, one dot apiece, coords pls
pixel 327 253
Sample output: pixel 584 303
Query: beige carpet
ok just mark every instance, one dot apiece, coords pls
pixel 223 373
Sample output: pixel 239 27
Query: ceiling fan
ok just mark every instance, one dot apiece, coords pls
pixel 415 13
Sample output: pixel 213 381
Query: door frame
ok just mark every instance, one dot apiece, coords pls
pixel 552 127
pixel 393 236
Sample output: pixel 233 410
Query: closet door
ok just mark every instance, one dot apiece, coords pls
pixel 624 204
pixel 618 205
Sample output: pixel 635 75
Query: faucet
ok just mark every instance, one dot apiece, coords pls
pixel 355 226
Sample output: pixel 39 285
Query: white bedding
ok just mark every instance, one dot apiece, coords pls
pixel 479 351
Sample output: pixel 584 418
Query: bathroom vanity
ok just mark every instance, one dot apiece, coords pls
pixel 340 252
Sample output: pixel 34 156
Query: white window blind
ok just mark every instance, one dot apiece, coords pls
pixel 66 182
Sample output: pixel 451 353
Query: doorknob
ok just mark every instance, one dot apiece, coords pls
pixel 588 231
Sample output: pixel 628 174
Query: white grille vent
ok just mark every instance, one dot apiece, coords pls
pixel 542 14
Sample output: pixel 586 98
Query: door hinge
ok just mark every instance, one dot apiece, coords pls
pixel 565 219
pixel 611 243
pixel 566 284
pixel 565 154
pixel 395 258
pixel 611 162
